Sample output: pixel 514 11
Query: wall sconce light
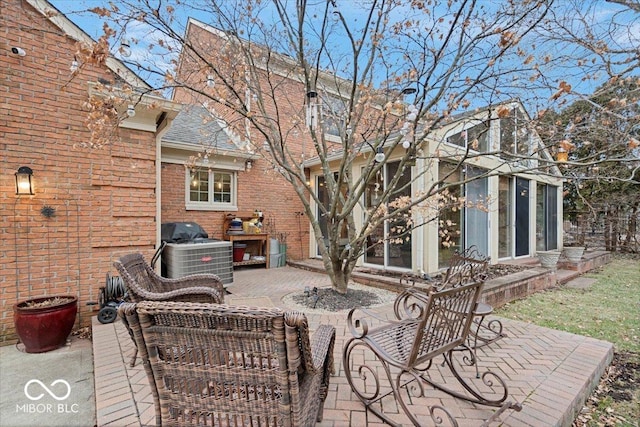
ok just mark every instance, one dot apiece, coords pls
pixel 210 81
pixel 131 111
pixel 248 165
pixel 24 181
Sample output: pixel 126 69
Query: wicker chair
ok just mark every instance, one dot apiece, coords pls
pixel 213 364
pixel 143 283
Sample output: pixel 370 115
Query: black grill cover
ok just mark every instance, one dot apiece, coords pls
pixel 181 232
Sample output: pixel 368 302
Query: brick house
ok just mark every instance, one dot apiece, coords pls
pixel 518 207
pixel 524 196
pixel 112 200
pixel 253 181
pixel 100 202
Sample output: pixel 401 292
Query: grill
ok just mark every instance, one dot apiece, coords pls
pixel 188 250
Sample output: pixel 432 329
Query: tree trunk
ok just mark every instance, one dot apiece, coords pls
pixel 341 282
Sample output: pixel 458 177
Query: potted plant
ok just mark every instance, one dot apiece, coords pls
pixel 573 251
pixel 44 323
pixel 548 259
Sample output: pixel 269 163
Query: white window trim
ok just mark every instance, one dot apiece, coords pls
pixel 211 205
pixel 465 128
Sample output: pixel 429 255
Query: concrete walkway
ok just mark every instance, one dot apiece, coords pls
pixel 550 372
pixel 47 389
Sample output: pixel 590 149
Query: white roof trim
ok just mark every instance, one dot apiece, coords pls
pixel 73 31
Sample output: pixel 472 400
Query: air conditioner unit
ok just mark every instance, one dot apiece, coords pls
pixel 183 259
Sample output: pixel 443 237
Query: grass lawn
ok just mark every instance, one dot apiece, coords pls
pixel 608 310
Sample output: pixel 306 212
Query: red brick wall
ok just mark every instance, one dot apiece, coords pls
pixel 261 187
pixel 256 190
pixel 103 198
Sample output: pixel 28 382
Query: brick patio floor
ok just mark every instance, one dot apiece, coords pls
pixel 550 372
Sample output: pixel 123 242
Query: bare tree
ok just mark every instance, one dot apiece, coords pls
pixel 599 126
pixel 390 73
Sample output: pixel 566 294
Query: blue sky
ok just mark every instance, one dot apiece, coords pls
pixel 602 14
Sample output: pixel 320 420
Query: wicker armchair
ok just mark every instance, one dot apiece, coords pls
pixel 143 283
pixel 213 364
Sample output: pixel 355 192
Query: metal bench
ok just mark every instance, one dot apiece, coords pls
pixel 401 351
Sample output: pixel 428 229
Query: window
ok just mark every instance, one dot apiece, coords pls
pixel 389 245
pixel 505 217
pixel 460 227
pixel 210 189
pixel 476 137
pixel 546 217
pixel 333 115
pixel 514 134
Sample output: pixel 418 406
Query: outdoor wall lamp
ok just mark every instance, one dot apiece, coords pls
pixel 248 165
pixel 24 181
pixel 211 82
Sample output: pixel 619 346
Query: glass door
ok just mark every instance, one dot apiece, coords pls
pixel 476 214
pixel 546 217
pixel 325 199
pixel 389 244
pixel 505 217
pixel 522 217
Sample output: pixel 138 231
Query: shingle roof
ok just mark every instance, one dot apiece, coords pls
pixel 195 126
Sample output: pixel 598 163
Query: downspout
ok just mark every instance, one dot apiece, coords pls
pixel 162 125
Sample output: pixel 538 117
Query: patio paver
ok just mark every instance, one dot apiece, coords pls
pixel 550 372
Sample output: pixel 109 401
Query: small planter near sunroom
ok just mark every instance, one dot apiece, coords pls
pixel 573 253
pixel 548 259
pixel 44 323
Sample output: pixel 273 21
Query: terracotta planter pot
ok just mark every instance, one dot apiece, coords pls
pixel 573 253
pixel 548 259
pixel 44 328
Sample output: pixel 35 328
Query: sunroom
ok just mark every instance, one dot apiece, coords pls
pixel 512 188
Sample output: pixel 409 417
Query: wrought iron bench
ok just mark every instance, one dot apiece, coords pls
pixel 402 350
pixel 143 284
pixel 214 364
